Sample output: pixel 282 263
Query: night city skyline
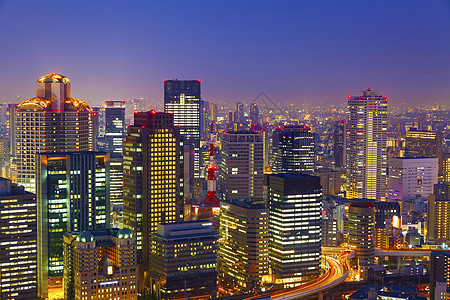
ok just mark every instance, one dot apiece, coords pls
pixel 251 150
pixel 293 51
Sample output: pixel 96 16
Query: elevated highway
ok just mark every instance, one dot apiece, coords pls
pixel 337 271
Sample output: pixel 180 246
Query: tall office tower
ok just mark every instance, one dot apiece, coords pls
pixel 18 277
pixel 4 154
pixel 100 124
pixel 214 112
pixel 387 217
pixel 114 133
pixel 232 116
pixel 184 261
pixel 241 171
pixel 361 229
pixel 339 143
pixel 331 181
pixel 439 276
pixel 114 126
pixel 116 181
pixel 50 122
pixel 446 168
pixel 254 113
pixel 206 120
pixel 100 265
pixel 438 214
pixel 411 178
pixel 293 150
pixel 240 112
pixel 366 146
pixel 72 195
pixel 295 202
pixel 243 244
pixel 424 144
pixel 153 180
pixel 183 99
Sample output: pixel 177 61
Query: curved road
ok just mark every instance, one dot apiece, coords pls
pixel 338 270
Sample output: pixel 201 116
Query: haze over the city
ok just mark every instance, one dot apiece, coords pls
pixel 293 50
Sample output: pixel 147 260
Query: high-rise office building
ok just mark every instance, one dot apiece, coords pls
pixel 214 112
pixel 183 262
pixel 52 121
pixel 439 276
pixel 100 264
pixel 330 232
pixel 72 195
pixel 241 171
pixel 243 244
pixel 18 236
pixel 254 113
pixel 411 178
pixel 183 99
pixel 339 143
pixel 114 133
pixel 153 180
pixel 240 112
pixel 366 146
pixel 114 126
pixel 293 150
pixel 419 143
pixel 295 202
pixel 361 229
pixel 438 214
pixel 446 168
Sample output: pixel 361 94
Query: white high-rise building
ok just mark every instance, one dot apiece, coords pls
pixel 50 122
pixel 366 139
pixel 411 178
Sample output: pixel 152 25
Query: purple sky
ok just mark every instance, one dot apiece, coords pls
pixel 293 50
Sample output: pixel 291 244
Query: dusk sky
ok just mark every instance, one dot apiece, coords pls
pixel 293 50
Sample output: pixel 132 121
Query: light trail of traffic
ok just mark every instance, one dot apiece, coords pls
pixel 337 272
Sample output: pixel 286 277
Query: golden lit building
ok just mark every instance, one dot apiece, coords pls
pixel 153 181
pixel 366 150
pixel 244 244
pixel 446 168
pixel 438 214
pixel 100 265
pixel 50 122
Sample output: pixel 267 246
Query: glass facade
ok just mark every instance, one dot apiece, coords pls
pixel 295 203
pixel 182 98
pixel 73 195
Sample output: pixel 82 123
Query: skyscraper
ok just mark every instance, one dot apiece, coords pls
pixel 244 244
pixel 114 126
pixel 52 121
pixel 72 195
pixel 241 168
pixel 295 202
pixel 183 262
pixel 438 214
pixel 100 264
pixel 366 146
pixel 293 150
pixel 339 143
pixel 114 133
pixel 183 99
pixel 254 113
pixel 18 236
pixel 153 180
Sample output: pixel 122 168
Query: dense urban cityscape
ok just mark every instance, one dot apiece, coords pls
pixel 200 194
